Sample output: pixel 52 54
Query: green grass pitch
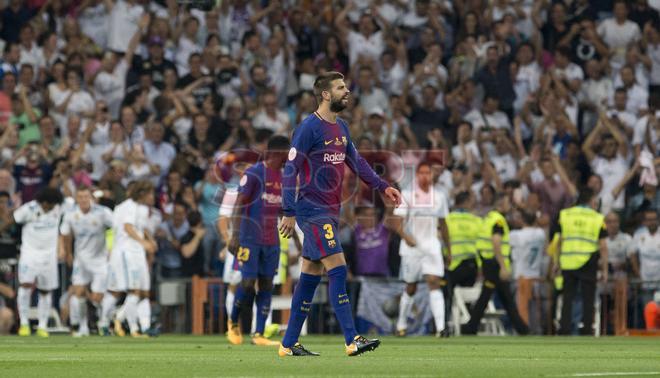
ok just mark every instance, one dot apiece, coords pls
pixel 211 356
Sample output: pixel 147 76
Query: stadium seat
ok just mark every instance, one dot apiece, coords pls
pixel 492 320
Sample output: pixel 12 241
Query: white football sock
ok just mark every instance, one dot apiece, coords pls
pixel 82 308
pixel 405 306
pixel 121 312
pixel 43 308
pixel 23 303
pixel 437 301
pixel 144 314
pixel 107 307
pixel 74 311
pixel 131 303
pixel 229 302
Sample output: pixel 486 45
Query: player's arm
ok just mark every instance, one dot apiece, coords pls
pixel 303 139
pixel 133 234
pixel 361 168
pixel 395 221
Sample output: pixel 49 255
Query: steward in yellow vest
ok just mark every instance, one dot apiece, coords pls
pixel 493 246
pixel 464 228
pixel 582 243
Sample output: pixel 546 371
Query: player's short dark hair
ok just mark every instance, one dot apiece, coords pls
pixel 4 194
pixel 262 135
pixel 462 198
pixel 585 196
pixel 278 143
pixel 322 82
pixel 621 90
pixel 51 196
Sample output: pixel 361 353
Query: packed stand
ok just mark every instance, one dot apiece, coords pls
pixel 534 99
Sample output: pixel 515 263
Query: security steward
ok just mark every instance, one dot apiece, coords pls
pixel 494 250
pixel 464 228
pixel 582 236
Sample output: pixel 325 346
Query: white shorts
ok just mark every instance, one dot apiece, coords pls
pixel 231 276
pixel 128 271
pixel 417 263
pixel 91 272
pixel 43 274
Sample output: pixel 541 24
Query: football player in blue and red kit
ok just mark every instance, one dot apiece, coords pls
pixel 255 239
pixel 320 149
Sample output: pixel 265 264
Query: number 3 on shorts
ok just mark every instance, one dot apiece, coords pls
pixel 328 231
pixel 243 254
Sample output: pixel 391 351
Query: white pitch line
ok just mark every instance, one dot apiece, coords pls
pixel 611 374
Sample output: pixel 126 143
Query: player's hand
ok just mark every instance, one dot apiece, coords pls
pixel 287 226
pixel 233 245
pixel 222 254
pixel 505 274
pixel 393 195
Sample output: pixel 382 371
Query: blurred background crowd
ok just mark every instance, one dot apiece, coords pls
pixel 533 98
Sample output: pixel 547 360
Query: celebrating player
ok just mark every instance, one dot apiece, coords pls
pixel 321 146
pixel 85 226
pixel 129 271
pixel 255 240
pixel 424 211
pixel 37 266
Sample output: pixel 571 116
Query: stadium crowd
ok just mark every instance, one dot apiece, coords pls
pixel 535 99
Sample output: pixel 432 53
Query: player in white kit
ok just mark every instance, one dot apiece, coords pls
pixel 231 274
pixel 85 226
pixel 129 270
pixel 423 210
pixel 37 265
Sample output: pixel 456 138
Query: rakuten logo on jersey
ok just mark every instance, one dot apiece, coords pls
pixel 336 158
pixel 271 198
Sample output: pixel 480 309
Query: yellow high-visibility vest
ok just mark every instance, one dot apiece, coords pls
pixel 464 229
pixel 485 241
pixel 580 230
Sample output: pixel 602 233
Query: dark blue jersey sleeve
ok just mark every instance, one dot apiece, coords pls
pixel 360 166
pixel 303 139
pixel 248 184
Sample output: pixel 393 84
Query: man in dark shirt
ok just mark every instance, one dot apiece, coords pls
pixel 495 77
pixel 192 253
pixel 156 64
pixel 427 117
pixel 205 87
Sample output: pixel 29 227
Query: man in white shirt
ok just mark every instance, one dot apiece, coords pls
pixel 638 96
pixel 619 32
pixel 157 151
pixel 645 256
pixel 129 271
pixel 367 41
pixel 37 265
pixel 618 245
pixel 489 117
pixel 124 19
pixel 609 164
pixel 370 96
pixel 567 70
pixel 423 210
pixel 83 233
pixel 270 117
pixel 528 255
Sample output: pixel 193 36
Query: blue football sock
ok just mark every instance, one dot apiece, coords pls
pixel 242 300
pixel 340 302
pixel 300 305
pixel 263 309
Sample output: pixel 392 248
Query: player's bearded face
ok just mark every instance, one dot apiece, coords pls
pixel 339 97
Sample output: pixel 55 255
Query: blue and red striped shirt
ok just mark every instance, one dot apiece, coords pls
pixel 319 152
